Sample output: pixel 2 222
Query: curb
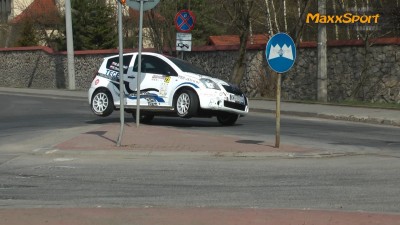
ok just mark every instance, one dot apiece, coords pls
pixel 350 118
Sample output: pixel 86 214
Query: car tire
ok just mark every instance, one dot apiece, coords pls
pixel 102 103
pixel 186 104
pixel 144 118
pixel 227 119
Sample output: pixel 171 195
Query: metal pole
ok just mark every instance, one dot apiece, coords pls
pixel 121 75
pixel 138 79
pixel 322 57
pixel 278 111
pixel 70 45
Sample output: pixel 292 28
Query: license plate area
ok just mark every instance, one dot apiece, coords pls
pixel 237 99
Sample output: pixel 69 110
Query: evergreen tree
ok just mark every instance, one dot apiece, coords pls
pixel 93 24
pixel 28 36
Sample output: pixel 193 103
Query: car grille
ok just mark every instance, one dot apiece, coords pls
pixel 234 105
pixel 233 89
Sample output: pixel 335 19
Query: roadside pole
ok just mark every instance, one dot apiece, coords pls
pixel 322 94
pixel 70 46
pixel 141 5
pixel 121 76
pixel 278 111
pixel 280 54
pixel 139 74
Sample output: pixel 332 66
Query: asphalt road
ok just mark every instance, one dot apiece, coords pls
pixel 355 183
pixel 25 117
pixel 368 181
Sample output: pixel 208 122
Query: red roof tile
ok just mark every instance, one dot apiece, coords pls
pixel 39 11
pixel 257 39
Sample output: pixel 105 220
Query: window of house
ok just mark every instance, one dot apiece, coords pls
pixel 5 10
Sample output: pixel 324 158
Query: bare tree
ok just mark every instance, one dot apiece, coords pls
pixel 275 16
pixel 336 26
pixel 269 20
pixel 240 12
pixel 285 15
pixel 298 28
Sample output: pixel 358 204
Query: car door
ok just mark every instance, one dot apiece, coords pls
pixel 154 80
pixel 111 72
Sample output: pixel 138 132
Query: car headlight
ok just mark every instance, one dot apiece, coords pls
pixel 210 84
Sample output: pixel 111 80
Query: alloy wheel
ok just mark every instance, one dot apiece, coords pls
pixel 100 102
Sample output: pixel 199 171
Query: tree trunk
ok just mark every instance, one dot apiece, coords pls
pixel 239 68
pixel 298 29
pixel 299 11
pixel 156 34
pixel 356 7
pixel 271 30
pixel 336 26
pixel 243 24
pixel 345 6
pixel 275 17
pixel 285 15
pixel 364 77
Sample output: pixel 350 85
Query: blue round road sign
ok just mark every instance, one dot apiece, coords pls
pixel 280 52
pixel 184 21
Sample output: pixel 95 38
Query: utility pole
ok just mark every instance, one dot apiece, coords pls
pixel 70 45
pixel 322 94
pixel 121 75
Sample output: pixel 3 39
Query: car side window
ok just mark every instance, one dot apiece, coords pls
pixel 152 64
pixel 113 63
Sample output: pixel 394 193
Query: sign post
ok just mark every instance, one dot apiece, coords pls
pixel 280 54
pixel 184 42
pixel 184 23
pixel 121 75
pixel 141 5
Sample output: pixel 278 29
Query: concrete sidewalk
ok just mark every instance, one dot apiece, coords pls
pixel 327 111
pixel 191 216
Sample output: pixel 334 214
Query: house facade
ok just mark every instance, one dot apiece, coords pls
pixel 17 12
pixel 9 9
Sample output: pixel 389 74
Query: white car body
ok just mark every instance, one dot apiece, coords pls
pixel 162 79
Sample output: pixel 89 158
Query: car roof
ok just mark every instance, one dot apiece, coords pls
pixel 135 53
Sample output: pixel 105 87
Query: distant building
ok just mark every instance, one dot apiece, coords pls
pixel 47 12
pixel 36 11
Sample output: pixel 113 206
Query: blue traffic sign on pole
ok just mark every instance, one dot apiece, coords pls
pixel 184 21
pixel 281 52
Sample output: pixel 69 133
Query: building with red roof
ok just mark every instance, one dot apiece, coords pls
pixel 43 12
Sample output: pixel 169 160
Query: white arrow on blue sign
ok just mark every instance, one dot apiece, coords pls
pixel 280 52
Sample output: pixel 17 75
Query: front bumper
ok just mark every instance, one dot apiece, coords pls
pixel 222 101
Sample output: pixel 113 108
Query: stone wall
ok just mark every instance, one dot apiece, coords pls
pixel 354 72
pixel 40 67
pixel 371 74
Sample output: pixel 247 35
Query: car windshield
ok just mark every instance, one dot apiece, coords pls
pixel 185 66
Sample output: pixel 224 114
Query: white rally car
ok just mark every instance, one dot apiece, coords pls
pixel 168 86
